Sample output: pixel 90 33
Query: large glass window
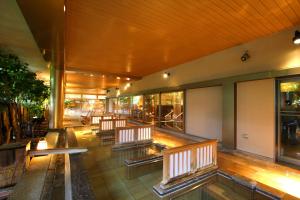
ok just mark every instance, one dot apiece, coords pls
pixel 124 105
pixel 151 108
pixel 289 121
pixel 171 115
pixel 137 108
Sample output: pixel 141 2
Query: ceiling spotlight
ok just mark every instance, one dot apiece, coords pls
pixel 296 39
pixel 103 76
pixel 118 78
pixel 128 79
pixel 91 75
pixel 245 56
pixel 166 75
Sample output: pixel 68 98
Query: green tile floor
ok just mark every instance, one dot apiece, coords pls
pixel 107 172
pixel 108 178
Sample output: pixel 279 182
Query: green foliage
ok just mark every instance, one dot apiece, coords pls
pixel 19 85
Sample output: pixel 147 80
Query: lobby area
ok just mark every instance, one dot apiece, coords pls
pixel 150 99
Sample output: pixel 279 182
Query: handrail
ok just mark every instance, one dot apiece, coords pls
pixel 111 124
pixel 169 113
pixel 178 115
pixel 188 159
pixel 133 134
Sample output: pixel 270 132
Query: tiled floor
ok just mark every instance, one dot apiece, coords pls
pixel 107 173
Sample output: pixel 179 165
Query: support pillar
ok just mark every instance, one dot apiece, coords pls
pixel 56 98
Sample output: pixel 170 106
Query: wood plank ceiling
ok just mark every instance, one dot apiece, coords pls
pixel 140 37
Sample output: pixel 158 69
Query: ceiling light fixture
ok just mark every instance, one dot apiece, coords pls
pixel 166 75
pixel 128 79
pixel 64 8
pixel 91 75
pixel 296 39
pixel 118 78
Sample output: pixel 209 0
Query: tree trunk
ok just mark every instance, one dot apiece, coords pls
pixel 7 127
pixel 1 129
pixel 14 120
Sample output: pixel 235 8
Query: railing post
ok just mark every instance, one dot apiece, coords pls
pixel 193 159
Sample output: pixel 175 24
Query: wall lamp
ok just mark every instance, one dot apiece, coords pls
pixel 166 75
pixel 296 39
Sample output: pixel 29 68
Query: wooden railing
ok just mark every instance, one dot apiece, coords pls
pixel 133 134
pixel 95 119
pixel 186 160
pixel 111 124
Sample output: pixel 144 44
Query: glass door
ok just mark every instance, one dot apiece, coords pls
pixel 289 120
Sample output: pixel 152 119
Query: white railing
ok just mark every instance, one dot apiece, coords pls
pixel 133 134
pixel 111 124
pixel 95 119
pixel 188 159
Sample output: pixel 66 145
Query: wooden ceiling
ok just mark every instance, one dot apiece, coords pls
pixel 91 83
pixel 140 37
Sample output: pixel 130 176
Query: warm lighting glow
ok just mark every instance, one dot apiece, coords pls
pixel 101 97
pixel 118 78
pixel 166 75
pixel 72 96
pixel 91 75
pixel 118 92
pixel 103 76
pixel 127 86
pixel 42 144
pixel 296 39
pixel 89 96
pixel 128 79
pixel 64 8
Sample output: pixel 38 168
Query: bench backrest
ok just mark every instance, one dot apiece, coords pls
pixel 188 159
pixel 111 124
pixel 133 134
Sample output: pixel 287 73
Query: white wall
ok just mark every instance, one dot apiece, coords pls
pixel 204 112
pixel 256 117
pixel 275 52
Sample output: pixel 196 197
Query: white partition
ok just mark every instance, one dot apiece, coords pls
pixel 133 134
pixel 189 159
pixel 256 117
pixel 204 110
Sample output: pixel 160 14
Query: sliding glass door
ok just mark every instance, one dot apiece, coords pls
pixel 289 120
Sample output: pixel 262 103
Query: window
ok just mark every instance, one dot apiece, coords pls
pixel 151 108
pixel 137 108
pixel 171 115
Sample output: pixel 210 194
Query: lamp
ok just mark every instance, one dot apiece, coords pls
pixel 296 39
pixel 42 144
pixel 166 75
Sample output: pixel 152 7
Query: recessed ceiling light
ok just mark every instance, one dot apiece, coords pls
pixel 128 79
pixel 118 77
